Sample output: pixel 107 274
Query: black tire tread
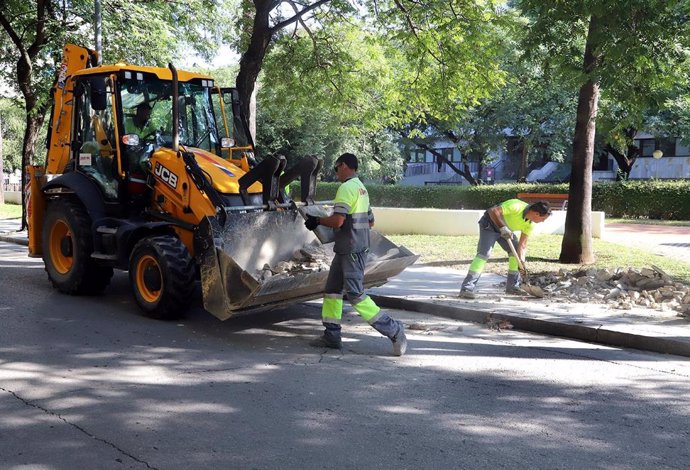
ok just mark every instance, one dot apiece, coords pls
pixel 86 277
pixel 178 276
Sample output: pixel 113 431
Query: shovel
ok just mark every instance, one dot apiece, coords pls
pixel 534 291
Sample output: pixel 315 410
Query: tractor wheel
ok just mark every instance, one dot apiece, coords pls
pixel 161 273
pixel 67 248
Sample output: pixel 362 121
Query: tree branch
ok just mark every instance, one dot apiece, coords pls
pixel 12 33
pixel 283 24
pixel 413 29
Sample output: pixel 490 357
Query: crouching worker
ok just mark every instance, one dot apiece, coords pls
pixel 497 225
pixel 352 219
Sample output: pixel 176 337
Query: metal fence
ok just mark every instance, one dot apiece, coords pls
pixel 11 187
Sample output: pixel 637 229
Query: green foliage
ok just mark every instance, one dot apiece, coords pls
pixel 445 54
pixel 642 49
pixel 12 123
pixel 322 102
pixel 654 199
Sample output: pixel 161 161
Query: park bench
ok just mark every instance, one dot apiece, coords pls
pixel 556 201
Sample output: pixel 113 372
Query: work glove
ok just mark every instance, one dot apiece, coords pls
pixel 312 222
pixel 506 233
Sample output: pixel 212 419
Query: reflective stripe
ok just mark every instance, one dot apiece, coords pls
pixel 484 257
pixel 376 317
pixel 477 265
pixel 332 309
pixel 367 309
pixel 357 300
pixel 353 235
pixel 341 208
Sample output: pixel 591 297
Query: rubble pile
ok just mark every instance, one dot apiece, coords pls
pixel 621 288
pixel 310 258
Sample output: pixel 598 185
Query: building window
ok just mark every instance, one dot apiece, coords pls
pixel 417 156
pixel 647 147
pixel 450 154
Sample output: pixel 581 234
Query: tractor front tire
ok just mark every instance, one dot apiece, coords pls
pixel 67 247
pixel 161 273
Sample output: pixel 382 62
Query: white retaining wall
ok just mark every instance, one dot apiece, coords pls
pixel 393 220
pixel 13 197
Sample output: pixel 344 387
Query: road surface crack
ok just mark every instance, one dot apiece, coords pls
pixel 77 427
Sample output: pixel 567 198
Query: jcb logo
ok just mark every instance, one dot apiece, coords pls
pixel 166 175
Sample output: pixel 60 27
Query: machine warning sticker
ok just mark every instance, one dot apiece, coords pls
pixel 166 175
pixel 62 76
pixel 84 159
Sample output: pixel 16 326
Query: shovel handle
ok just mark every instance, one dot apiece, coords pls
pixel 514 252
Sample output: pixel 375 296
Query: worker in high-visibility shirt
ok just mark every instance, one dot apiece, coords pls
pixel 497 225
pixel 352 220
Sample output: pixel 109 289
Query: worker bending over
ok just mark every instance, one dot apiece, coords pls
pixel 497 225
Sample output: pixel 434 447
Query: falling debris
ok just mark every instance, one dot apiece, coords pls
pixel 620 288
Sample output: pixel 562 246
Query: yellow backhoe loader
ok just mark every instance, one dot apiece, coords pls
pixel 139 178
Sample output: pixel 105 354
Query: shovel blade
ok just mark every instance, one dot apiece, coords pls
pixel 534 291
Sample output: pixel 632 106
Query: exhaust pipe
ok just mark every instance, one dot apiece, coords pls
pixel 175 110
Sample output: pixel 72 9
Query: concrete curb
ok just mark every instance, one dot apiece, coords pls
pixel 580 332
pixel 10 239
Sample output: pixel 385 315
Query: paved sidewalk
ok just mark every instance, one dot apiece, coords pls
pixel 9 231
pixel 434 290
pixel 664 240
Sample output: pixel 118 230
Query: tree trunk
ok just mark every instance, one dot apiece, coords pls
pixel 625 162
pixel 34 122
pixel 252 59
pixel 577 240
pixel 522 172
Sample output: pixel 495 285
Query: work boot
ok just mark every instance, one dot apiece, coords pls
pixel 324 341
pixel 400 342
pixel 330 338
pixel 470 281
pixel 467 294
pixel 515 290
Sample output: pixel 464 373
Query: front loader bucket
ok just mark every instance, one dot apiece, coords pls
pixel 235 261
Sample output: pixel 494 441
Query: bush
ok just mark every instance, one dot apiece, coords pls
pixel 653 199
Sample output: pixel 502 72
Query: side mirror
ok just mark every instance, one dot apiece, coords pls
pixel 227 142
pixel 98 93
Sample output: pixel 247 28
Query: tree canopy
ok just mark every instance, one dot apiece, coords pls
pixel 337 76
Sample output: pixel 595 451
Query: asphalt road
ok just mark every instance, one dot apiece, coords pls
pixel 87 383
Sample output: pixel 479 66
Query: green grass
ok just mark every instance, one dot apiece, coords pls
pixel 10 211
pixel 542 254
